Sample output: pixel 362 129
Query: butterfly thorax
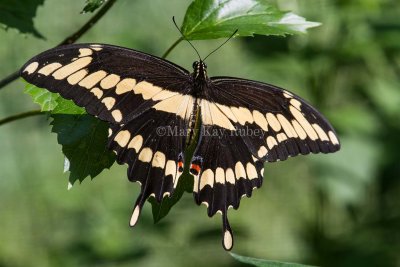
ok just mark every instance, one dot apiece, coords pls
pixel 200 79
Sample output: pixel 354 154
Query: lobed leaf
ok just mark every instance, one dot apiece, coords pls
pixel 19 15
pixel 211 19
pixel 264 263
pixel 46 100
pixel 84 144
pixel 83 137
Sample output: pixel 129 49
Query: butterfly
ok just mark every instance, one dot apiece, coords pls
pixel 155 108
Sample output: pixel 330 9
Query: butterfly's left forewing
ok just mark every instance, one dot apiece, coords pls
pixel 113 83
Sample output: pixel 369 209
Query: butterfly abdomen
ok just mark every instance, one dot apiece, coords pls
pixel 193 123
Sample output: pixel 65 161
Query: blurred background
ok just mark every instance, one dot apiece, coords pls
pixel 340 209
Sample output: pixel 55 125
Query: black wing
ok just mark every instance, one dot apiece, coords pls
pixel 138 94
pixel 246 123
pixel 113 83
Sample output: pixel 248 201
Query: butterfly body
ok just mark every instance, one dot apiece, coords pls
pixel 149 102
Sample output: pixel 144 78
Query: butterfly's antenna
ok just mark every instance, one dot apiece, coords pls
pixel 230 37
pixel 173 19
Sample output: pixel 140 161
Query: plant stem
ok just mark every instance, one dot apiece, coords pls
pixel 172 47
pixel 70 39
pixel 75 36
pixel 21 116
pixel 13 76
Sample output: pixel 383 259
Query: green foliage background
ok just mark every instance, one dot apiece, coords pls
pixel 329 210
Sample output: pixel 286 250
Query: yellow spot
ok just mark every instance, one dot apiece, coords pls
pixel 122 138
pixel 135 216
pixel 205 112
pixel 172 104
pixel 304 123
pixel 185 106
pixel 230 176
pixel 242 114
pixel 287 127
pixel 49 69
pixel 228 240
pixel 92 79
pixel 299 130
pixel 273 122
pixel 262 152
pixel 207 178
pixel 227 111
pixel 251 171
pixel 178 176
pixel 281 137
pixel 31 68
pixel 271 142
pixel 321 133
pixel 125 85
pixel 136 143
pixel 145 155
pixel 158 160
pixel 110 81
pixel 109 102
pixel 239 170
pixel 83 52
pixel 146 89
pixel 195 184
pixel 220 175
pixel 117 115
pixel 295 103
pixel 164 94
pixel 96 47
pixel 109 132
pixel 333 138
pixel 170 168
pixel 287 94
pixel 204 203
pixel 72 67
pixel 97 92
pixel 260 120
pixel 219 118
pixel 77 77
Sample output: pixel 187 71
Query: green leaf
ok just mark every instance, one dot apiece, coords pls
pixel 46 99
pixel 264 263
pixel 49 101
pixel 19 15
pixel 84 144
pixel 67 107
pixel 83 137
pixel 92 5
pixel 210 19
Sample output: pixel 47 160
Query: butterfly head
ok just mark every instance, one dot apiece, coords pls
pixel 199 69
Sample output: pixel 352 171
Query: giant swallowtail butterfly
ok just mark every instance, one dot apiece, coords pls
pixel 137 93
